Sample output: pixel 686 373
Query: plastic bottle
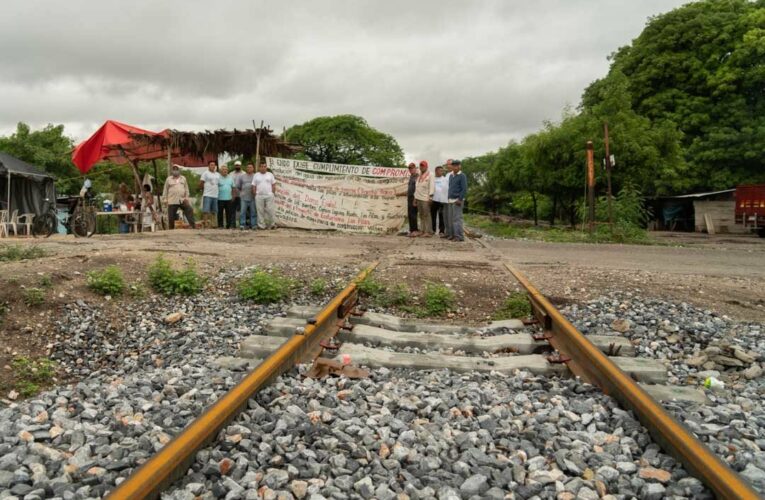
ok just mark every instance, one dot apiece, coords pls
pixel 714 384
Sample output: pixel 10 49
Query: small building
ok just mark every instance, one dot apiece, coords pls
pixel 697 212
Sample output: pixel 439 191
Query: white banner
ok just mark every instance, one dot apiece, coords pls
pixel 352 198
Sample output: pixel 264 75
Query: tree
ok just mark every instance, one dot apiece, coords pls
pixel 346 139
pixel 699 69
pixel 47 148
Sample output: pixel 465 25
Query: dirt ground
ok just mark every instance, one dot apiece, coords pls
pixel 723 273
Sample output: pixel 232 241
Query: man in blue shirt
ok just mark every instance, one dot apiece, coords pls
pixel 456 201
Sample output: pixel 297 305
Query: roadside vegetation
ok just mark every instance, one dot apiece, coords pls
pixel 108 281
pixel 263 287
pixel 516 306
pixel 20 252
pixel 434 300
pixel 166 280
pixel 32 374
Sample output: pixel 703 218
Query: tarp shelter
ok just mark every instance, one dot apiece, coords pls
pixel 24 186
pixel 112 140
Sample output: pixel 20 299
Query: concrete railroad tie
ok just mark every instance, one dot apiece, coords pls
pixel 469 342
pixel 645 370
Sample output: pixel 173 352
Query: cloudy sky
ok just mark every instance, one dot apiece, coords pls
pixel 446 78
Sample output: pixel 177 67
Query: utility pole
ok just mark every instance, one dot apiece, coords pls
pixel 591 184
pixel 608 175
pixel 257 145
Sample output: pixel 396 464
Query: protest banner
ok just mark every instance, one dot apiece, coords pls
pixel 351 198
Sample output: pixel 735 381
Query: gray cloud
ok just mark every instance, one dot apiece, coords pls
pixel 446 78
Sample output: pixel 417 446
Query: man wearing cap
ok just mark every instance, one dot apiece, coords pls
pixel 235 175
pixel 423 195
pixel 457 195
pixel 176 195
pixel 411 202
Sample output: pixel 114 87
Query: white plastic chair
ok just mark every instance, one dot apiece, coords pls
pixel 3 220
pixel 10 222
pixel 26 220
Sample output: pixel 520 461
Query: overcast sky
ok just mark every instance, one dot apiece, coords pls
pixel 445 78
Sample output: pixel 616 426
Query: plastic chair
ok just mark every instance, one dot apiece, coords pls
pixel 3 220
pixel 10 222
pixel 26 220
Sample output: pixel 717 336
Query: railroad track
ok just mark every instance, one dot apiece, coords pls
pixel 306 334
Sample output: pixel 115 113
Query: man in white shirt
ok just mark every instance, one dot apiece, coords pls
pixel 208 182
pixel 440 198
pixel 264 188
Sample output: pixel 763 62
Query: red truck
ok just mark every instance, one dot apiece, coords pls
pixel 750 207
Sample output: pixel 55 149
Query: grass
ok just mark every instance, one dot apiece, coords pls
pixel 168 281
pixel 603 234
pixel 137 290
pixel 3 311
pixel 372 288
pixel 318 286
pixel 264 288
pixel 108 281
pixel 438 299
pixel 515 306
pixel 32 374
pixel 33 297
pixel 20 252
pixel 45 281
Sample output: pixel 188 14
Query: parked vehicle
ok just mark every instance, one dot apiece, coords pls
pixel 750 207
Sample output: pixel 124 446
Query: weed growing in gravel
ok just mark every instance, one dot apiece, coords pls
pixel 399 295
pixel 168 281
pixel 108 281
pixel 33 297
pixel 45 281
pixel 318 286
pixel 137 290
pixel 264 288
pixel 371 287
pixel 32 373
pixel 3 311
pixel 19 252
pixel 438 299
pixel 515 306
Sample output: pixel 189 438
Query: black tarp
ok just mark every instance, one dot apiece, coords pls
pixel 29 185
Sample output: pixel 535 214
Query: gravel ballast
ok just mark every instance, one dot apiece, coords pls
pixel 397 434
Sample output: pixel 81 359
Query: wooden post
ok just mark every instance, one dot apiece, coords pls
pixel 608 174
pixel 257 144
pixel 591 184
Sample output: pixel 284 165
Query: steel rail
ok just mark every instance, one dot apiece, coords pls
pixel 174 459
pixel 588 362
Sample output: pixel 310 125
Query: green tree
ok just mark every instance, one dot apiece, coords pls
pixel 346 139
pixel 700 69
pixel 47 148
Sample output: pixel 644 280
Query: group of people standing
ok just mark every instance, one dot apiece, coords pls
pixel 435 201
pixel 223 194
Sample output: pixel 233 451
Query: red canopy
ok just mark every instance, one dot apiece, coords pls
pixel 109 141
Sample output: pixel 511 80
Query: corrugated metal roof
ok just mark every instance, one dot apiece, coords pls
pixel 704 195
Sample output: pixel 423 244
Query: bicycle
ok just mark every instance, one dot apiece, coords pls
pixel 82 222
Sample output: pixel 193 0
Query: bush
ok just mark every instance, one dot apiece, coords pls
pixel 31 373
pixel 265 288
pixel 515 306
pixel 438 299
pixel 33 297
pixel 137 290
pixel 19 252
pixel 370 287
pixel 45 281
pixel 168 281
pixel 108 281
pixel 400 295
pixel 318 286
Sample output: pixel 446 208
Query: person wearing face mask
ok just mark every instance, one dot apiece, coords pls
pixel 176 194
